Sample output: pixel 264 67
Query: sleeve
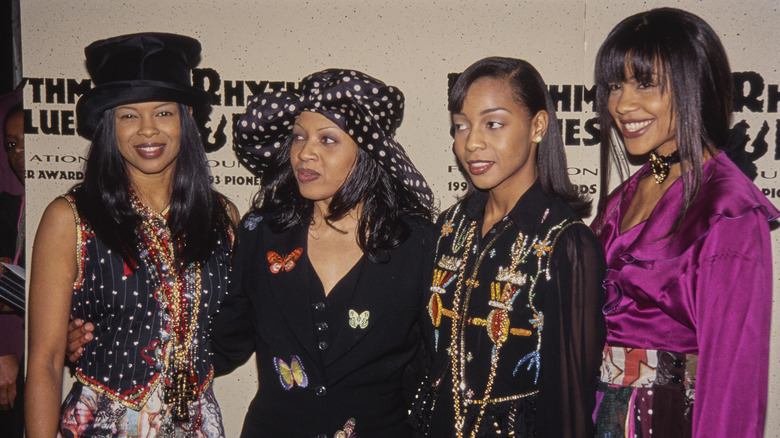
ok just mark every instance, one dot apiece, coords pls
pixel 573 337
pixel 232 330
pixel 419 367
pixel 733 302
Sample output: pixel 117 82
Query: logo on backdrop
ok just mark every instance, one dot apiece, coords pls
pixel 54 115
pixel 755 103
pixel 755 106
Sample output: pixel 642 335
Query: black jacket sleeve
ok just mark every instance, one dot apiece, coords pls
pixel 574 336
pixel 232 332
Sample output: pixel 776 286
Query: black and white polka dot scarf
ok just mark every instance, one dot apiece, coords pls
pixel 364 107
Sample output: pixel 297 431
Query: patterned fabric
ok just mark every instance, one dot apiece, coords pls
pixel 362 106
pixel 89 413
pixel 489 305
pixel 123 362
pixel 641 391
pixel 628 366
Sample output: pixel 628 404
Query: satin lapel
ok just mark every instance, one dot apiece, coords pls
pixel 372 295
pixel 288 287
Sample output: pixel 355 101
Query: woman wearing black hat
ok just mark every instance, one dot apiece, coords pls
pixel 330 261
pixel 141 249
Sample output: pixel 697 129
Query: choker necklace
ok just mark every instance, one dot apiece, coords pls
pixel 659 165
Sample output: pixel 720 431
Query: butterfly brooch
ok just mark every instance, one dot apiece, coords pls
pixel 358 319
pixel 286 263
pixel 291 374
pixel 348 431
pixel 251 221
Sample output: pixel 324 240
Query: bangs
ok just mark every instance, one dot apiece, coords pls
pixel 633 53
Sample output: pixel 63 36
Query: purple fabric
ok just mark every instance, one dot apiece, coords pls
pixel 708 291
pixel 11 335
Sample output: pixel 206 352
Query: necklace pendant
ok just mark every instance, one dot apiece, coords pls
pixel 180 394
pixel 659 165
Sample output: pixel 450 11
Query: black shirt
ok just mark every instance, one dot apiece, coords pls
pixel 529 330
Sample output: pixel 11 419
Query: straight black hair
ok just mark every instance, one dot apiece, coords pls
pixel 531 93
pixel 385 201
pixel 197 213
pixel 680 50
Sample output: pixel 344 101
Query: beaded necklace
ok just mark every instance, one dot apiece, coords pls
pixel 178 290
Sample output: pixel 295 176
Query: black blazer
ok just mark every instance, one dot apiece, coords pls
pixel 359 377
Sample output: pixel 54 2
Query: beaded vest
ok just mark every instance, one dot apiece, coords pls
pixel 125 360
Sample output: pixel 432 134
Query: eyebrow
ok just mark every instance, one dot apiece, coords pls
pixel 129 107
pixel 320 129
pixel 487 111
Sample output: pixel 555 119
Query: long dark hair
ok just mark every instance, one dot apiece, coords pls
pixel 531 93
pixel 196 211
pixel 384 200
pixel 681 51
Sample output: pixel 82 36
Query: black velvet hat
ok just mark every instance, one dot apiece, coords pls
pixel 140 67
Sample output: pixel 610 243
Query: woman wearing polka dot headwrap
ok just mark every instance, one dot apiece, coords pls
pixel 331 261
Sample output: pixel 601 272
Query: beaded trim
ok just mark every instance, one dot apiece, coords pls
pixel 503 399
pixel 130 398
pixel 137 397
pixel 508 284
pixel 81 245
pixel 177 289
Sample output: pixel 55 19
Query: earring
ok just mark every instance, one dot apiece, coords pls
pixel 538 139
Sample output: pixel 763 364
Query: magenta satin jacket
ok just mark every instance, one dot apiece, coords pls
pixel 706 291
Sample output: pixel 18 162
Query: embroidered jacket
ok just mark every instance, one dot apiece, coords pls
pixel 123 360
pixel 516 321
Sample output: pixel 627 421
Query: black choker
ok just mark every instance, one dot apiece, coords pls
pixel 660 165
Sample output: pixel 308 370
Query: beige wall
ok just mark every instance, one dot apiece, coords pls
pixel 413 44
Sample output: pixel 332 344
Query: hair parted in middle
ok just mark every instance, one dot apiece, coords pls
pixel 195 207
pixel 531 93
pixel 679 51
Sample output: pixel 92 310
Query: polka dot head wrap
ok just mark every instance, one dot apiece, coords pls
pixel 362 106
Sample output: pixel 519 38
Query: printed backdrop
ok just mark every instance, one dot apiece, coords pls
pixel 417 45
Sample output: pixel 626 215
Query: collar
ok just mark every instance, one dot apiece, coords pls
pixel 725 193
pixel 528 209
